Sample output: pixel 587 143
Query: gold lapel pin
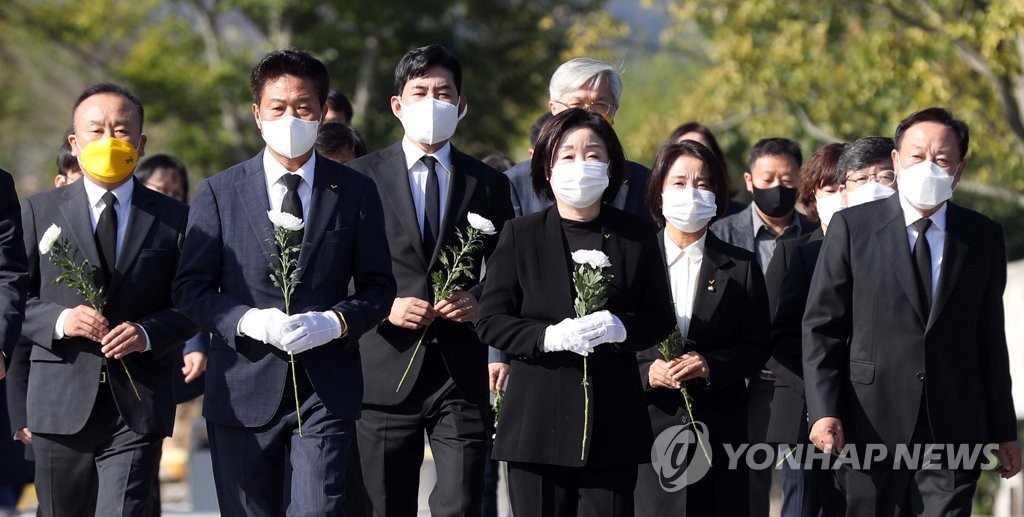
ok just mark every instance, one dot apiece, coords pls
pixel 333 186
pixel 607 236
pixel 711 285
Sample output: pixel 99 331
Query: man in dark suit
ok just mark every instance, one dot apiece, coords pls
pixel 264 462
pixel 428 189
pixel 903 336
pixel 13 269
pixel 99 396
pixel 772 178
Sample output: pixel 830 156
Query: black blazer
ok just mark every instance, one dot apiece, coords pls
pixel 729 326
pixel 139 291
pixel 225 272
pixel 13 268
pixel 870 351
pixel 386 349
pixel 788 405
pixel 529 287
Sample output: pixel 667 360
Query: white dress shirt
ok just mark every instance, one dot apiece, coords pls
pixel 276 188
pixel 684 273
pixel 418 178
pixel 936 235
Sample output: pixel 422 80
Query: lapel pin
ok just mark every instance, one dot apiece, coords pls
pixel 607 236
pixel 711 286
pixel 333 186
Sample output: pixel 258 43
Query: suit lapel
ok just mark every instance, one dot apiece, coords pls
pixel 256 202
pixel 552 264
pixel 77 218
pixel 323 202
pixel 140 220
pixel 954 253
pixel 393 178
pixel 892 238
pixel 460 193
pixel 711 284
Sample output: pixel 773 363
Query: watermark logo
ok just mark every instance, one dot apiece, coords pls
pixel 677 456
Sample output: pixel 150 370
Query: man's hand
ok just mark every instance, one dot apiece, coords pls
pixel 24 436
pixel 126 338
pixel 1008 455
pixel 827 435
pixel 195 365
pixel 411 313
pixel 660 374
pixel 263 325
pixel 84 321
pixel 459 307
pixel 691 366
pixel 301 332
pixel 497 373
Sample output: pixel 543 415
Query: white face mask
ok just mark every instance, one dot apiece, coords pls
pixel 688 209
pixel 579 184
pixel 288 136
pixel 827 207
pixel 868 192
pixel 925 185
pixel 430 121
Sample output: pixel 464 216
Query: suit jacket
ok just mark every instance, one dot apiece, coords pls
pixel 630 197
pixel 474 187
pixel 788 405
pixel 871 352
pixel 730 329
pixel 139 291
pixel 13 268
pixel 738 229
pixel 529 287
pixel 225 271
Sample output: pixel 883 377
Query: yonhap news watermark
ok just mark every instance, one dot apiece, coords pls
pixel 679 460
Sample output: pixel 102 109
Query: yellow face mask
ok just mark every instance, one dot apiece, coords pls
pixel 109 160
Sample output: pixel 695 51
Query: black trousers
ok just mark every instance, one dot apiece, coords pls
pixel 104 469
pixel 391 451
pixel 272 471
pixel 556 491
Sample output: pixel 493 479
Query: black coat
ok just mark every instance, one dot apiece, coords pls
pixel 13 269
pixel 528 288
pixel 386 349
pixel 870 351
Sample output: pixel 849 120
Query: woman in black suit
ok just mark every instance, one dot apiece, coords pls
pixel 720 305
pixel 527 311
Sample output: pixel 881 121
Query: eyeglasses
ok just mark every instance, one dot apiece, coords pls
pixel 885 178
pixel 599 107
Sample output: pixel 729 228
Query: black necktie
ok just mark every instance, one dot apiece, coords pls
pixel 431 208
pixel 292 204
pixel 106 236
pixel 923 261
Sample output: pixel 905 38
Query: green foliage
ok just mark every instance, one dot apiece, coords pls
pixel 80 276
pixel 591 286
pixel 284 265
pixel 458 263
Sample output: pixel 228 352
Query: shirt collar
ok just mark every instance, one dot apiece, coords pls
pixel 413 154
pixel 759 223
pixel 693 252
pixel 274 170
pixel 122 192
pixel 911 215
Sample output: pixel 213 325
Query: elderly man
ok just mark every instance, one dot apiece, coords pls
pixel 903 336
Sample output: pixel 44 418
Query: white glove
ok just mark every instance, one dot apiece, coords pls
pixel 309 330
pixel 263 325
pixel 608 326
pixel 566 336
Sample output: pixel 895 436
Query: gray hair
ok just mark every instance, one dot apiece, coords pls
pixel 584 72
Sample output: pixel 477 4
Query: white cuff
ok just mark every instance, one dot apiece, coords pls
pixel 238 326
pixel 58 329
pixel 145 335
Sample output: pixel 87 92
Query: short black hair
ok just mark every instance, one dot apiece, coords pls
pixel 292 61
pixel 153 162
pixel 863 153
pixel 335 137
pixel 537 124
pixel 66 160
pixel 112 88
pixel 339 102
pixel 775 147
pixel 551 136
pixel 667 156
pixel 417 62
pixel 942 116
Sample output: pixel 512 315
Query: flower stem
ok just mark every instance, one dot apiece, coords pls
pixel 586 408
pixel 131 381
pixel 295 389
pixel 689 411
pixel 408 367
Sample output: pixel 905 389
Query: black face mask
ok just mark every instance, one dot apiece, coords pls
pixel 776 201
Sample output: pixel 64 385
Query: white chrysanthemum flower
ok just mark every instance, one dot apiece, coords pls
pixel 285 220
pixel 50 237
pixel 481 223
pixel 594 258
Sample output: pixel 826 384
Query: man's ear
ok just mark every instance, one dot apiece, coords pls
pixel 256 116
pixel 142 145
pixel 749 180
pixel 959 173
pixel 463 105
pixel 396 106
